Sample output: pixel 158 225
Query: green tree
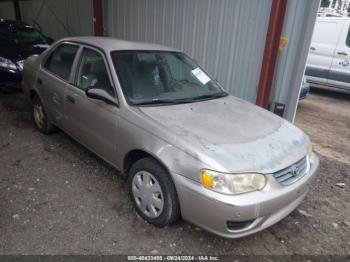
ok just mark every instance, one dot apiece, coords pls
pixel 325 3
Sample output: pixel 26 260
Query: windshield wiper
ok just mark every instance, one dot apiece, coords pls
pixel 180 101
pixel 203 97
pixel 155 102
pixel 221 94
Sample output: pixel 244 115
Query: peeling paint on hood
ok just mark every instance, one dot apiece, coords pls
pixel 237 135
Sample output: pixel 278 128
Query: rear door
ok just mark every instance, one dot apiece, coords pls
pixel 339 75
pixel 325 38
pixel 92 122
pixel 53 78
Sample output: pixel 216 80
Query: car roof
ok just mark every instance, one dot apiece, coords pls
pixel 109 44
pixel 332 18
pixel 113 44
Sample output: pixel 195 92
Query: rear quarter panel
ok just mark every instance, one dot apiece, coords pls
pixel 30 69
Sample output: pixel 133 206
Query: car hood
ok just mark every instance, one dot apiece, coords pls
pixel 17 52
pixel 232 135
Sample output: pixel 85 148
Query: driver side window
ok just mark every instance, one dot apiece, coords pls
pixel 92 71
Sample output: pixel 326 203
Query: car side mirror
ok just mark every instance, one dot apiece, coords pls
pixel 99 94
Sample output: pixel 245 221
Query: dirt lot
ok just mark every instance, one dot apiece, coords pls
pixel 57 198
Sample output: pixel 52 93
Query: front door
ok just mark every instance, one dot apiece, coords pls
pixel 339 75
pixel 323 45
pixel 92 122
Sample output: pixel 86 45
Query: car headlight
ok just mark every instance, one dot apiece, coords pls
pixel 232 184
pixel 6 63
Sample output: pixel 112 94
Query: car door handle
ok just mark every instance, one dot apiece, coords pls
pixel 39 81
pixel 70 99
pixel 312 48
pixel 342 53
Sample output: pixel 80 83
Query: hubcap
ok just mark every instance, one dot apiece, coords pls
pixel 148 194
pixel 39 116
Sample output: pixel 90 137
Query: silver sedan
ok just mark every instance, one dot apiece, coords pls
pixel 187 147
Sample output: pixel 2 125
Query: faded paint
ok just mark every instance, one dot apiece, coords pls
pixel 227 134
pixel 232 135
pixel 256 141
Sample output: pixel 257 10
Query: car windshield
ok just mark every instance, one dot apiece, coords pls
pixel 154 78
pixel 21 34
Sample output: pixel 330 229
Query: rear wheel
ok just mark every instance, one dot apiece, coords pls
pixel 153 192
pixel 40 118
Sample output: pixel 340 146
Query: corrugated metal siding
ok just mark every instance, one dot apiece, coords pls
pixel 6 10
pixel 298 27
pixel 60 18
pixel 56 18
pixel 226 37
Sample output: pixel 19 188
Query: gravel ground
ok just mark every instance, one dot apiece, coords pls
pixel 57 198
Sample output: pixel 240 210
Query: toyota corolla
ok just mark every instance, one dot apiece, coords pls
pixel 187 147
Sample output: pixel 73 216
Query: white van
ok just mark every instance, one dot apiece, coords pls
pixel 329 58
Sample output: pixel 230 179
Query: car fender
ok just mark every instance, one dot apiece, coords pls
pixel 174 158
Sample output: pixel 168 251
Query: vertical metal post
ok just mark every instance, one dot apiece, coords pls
pixel 17 10
pixel 278 10
pixel 98 22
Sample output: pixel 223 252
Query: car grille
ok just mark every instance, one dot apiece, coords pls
pixel 292 173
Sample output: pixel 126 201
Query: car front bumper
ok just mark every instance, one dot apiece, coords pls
pixel 249 213
pixel 10 78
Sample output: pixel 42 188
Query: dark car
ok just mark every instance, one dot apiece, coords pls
pixel 18 41
pixel 304 89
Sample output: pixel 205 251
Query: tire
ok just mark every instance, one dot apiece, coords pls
pixel 149 208
pixel 40 118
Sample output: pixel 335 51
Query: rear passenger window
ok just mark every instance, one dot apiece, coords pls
pixel 61 59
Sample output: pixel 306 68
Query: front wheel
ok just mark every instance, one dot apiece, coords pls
pixel 40 118
pixel 153 193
